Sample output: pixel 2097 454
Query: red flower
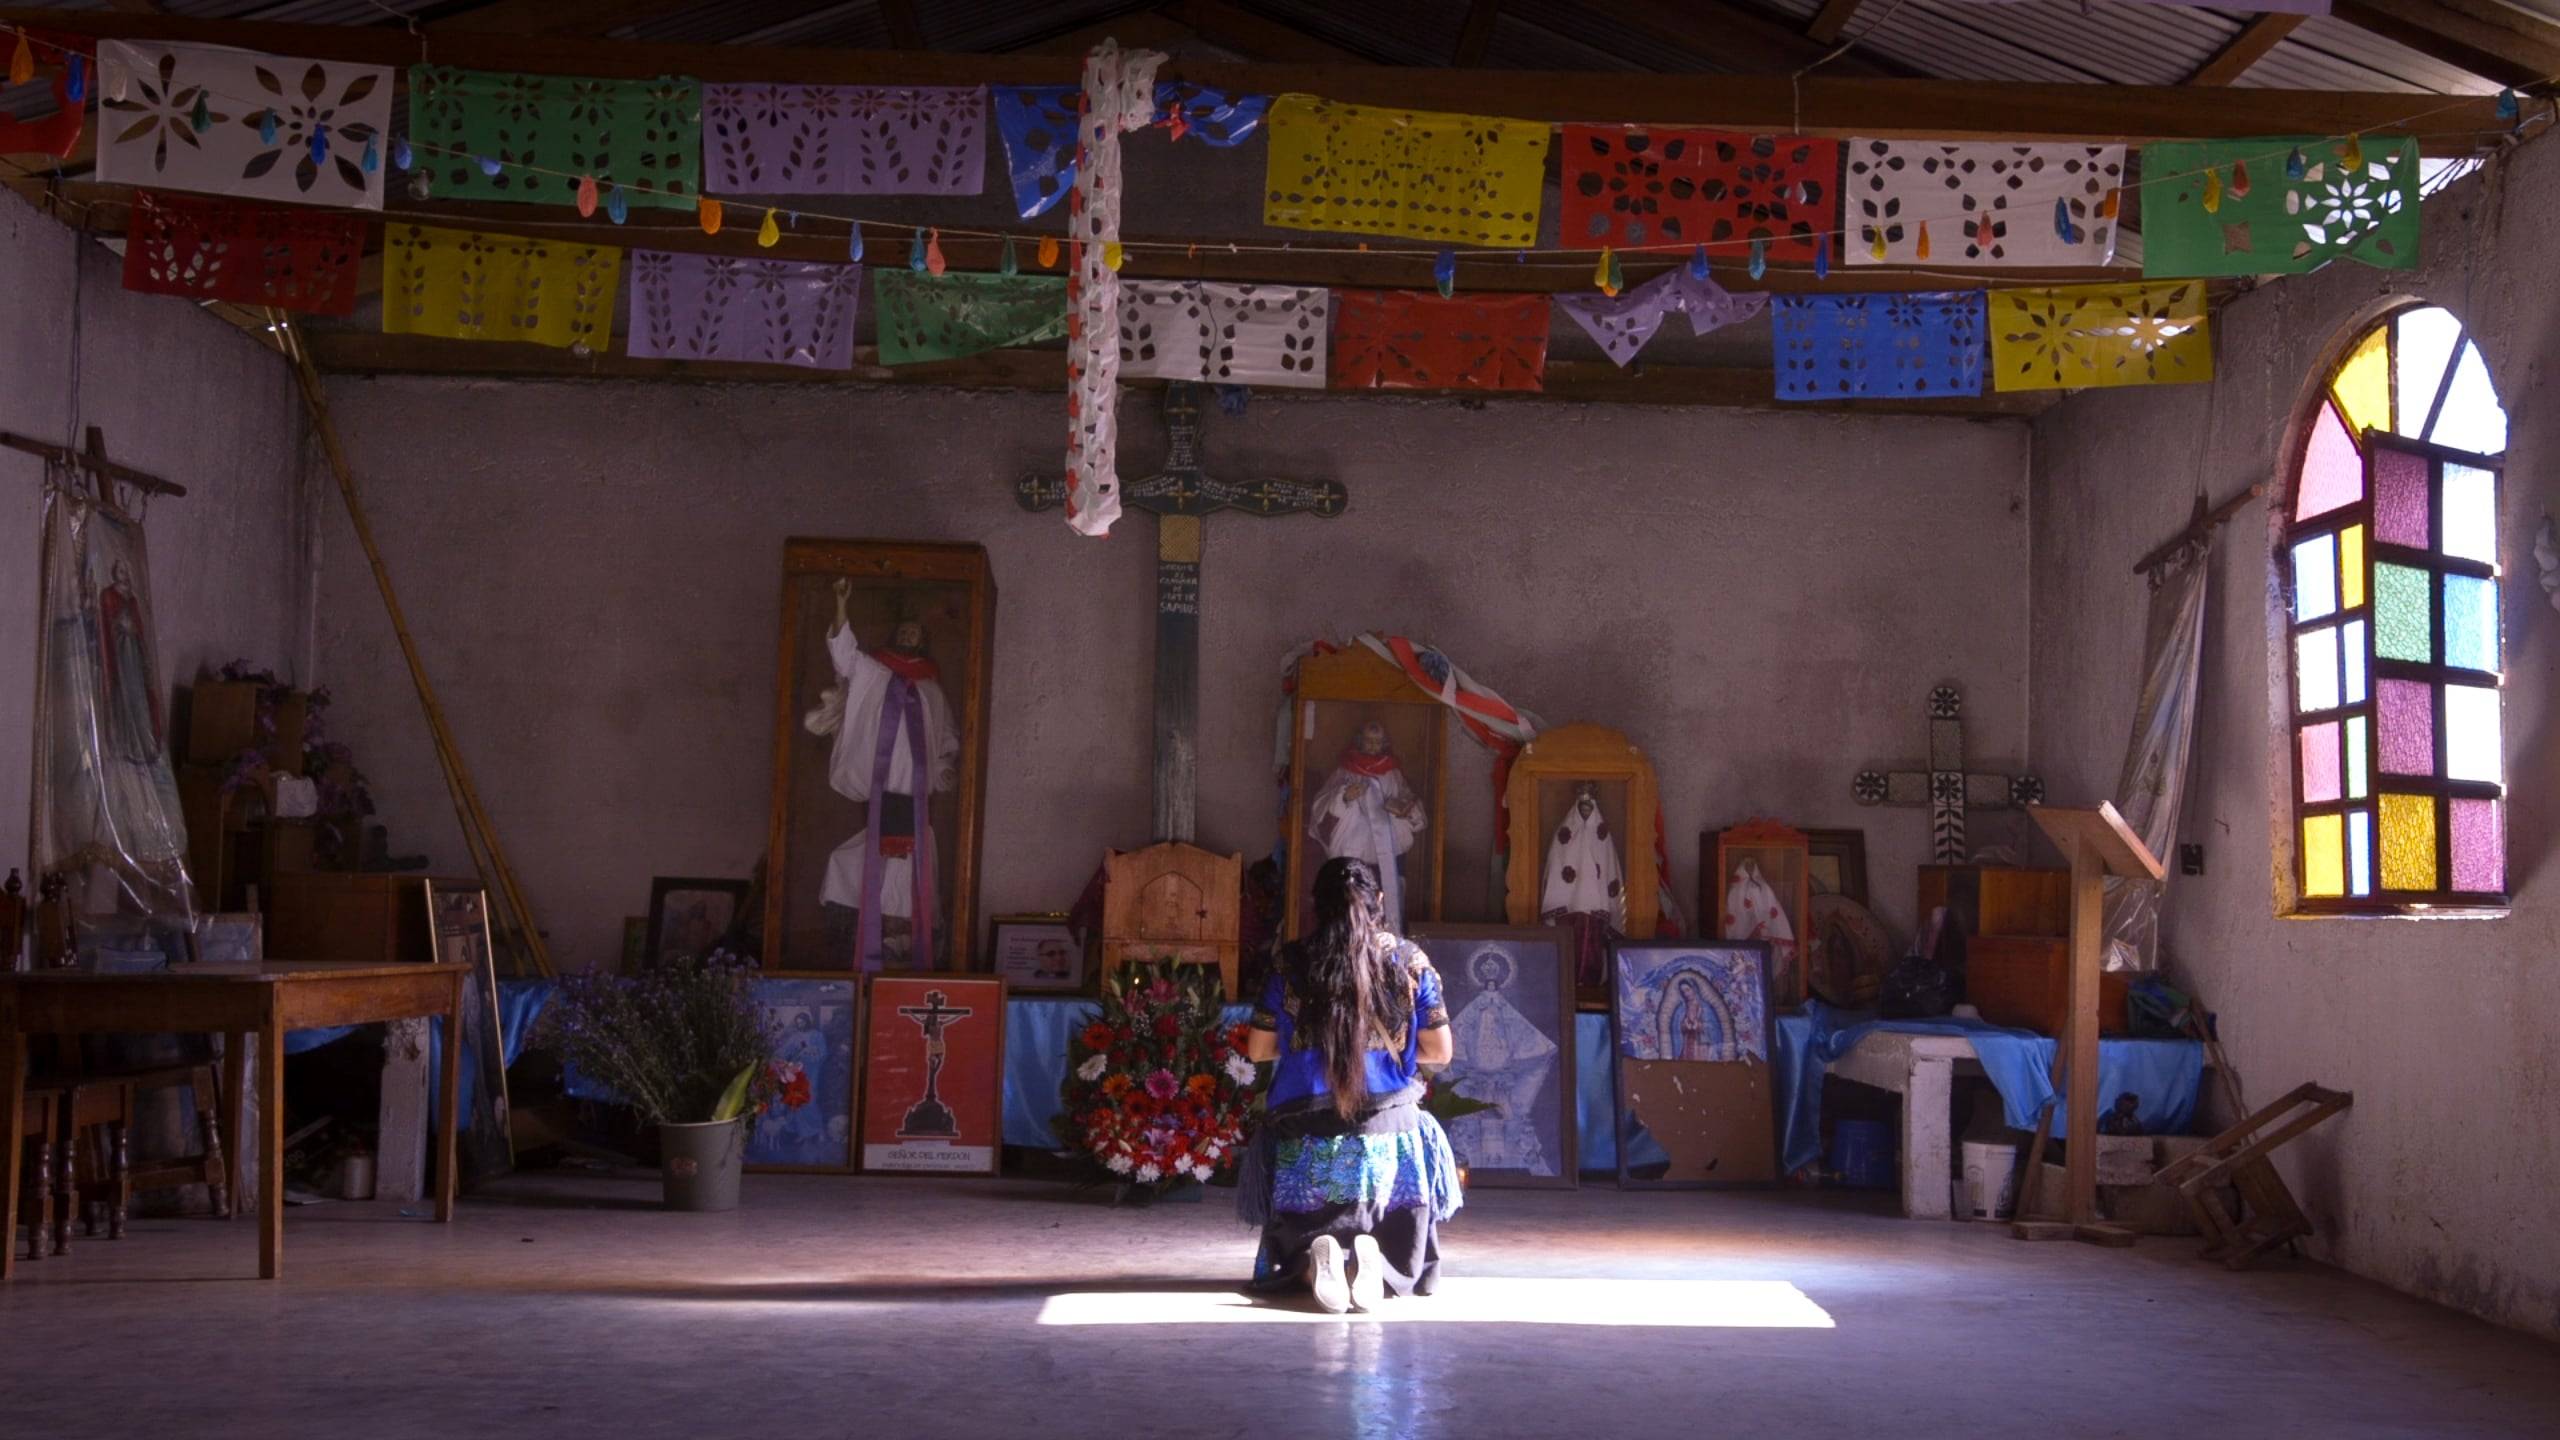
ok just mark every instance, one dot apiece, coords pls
pixel 1097 1036
pixel 1168 1026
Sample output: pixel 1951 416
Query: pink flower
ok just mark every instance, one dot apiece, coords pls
pixel 1163 1086
pixel 1161 992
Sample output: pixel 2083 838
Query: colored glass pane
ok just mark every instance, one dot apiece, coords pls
pixel 2426 340
pixel 2408 842
pixel 2471 748
pixel 2479 846
pixel 2400 498
pixel 2351 567
pixel 2363 384
pixel 2315 578
pixel 2356 779
pixel 2407 720
pixel 2332 468
pixel 2355 662
pixel 2471 513
pixel 2470 622
pixel 2472 419
pixel 2315 669
pixel 2320 763
pixel 2402 623
pixel 2359 852
pixel 2324 860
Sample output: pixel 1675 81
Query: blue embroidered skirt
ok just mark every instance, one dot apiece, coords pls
pixel 1387 1173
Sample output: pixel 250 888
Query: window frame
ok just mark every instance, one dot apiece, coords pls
pixel 2437 674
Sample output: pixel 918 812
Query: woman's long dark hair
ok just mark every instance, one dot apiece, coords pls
pixel 1346 980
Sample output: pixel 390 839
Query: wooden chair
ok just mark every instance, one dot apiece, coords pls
pixel 97 1115
pixel 37 1122
pixel 2234 1163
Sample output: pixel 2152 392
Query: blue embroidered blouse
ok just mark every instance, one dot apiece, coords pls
pixel 1391 1064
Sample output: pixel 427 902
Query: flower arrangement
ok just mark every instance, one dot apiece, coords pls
pixel 683 1043
pixel 1159 1091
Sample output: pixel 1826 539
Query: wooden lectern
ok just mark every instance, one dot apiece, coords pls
pixel 2097 843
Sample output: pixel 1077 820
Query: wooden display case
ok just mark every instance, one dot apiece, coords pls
pixel 1173 900
pixel 1340 697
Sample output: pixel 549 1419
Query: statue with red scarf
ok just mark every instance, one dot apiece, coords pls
pixel 895 749
pixel 1367 810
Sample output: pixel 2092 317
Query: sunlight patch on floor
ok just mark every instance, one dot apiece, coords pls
pixel 1674 1304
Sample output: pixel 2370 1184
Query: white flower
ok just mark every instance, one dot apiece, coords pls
pixel 1148 1174
pixel 1093 1067
pixel 1117 1164
pixel 1200 1173
pixel 1239 1069
pixel 1210 1149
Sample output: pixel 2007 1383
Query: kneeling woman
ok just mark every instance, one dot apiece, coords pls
pixel 1347 1159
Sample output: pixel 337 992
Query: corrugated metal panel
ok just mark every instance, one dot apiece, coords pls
pixel 1407 32
pixel 1006 24
pixel 2327 54
pixel 1559 35
pixel 1934 45
pixel 713 22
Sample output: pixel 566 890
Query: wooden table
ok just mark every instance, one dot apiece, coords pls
pixel 235 1001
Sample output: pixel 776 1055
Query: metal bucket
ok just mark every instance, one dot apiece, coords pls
pixel 700 1164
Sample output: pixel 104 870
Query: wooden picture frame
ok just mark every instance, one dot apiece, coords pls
pixel 1714 1119
pixel 899 1081
pixel 1540 797
pixel 817 1048
pixel 457 922
pixel 1838 863
pixel 691 927
pixel 1454 952
pixel 942 597
pixel 1036 954
pixel 1780 858
pixel 1338 695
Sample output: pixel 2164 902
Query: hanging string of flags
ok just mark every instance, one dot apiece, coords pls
pixel 287 147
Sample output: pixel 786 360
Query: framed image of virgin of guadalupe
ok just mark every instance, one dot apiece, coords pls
pixel 1368 770
pixel 879 756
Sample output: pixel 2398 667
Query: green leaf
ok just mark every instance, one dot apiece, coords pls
pixel 733 1101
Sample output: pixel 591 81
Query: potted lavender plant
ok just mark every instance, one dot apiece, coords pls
pixel 685 1043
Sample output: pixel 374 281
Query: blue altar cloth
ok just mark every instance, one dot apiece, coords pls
pixel 2166 1074
pixel 520 1004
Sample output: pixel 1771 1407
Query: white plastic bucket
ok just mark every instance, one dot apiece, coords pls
pixel 1990 1179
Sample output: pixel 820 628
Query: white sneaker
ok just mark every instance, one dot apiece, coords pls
pixel 1368 1274
pixel 1324 1272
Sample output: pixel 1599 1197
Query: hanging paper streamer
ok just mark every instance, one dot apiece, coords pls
pixel 1633 186
pixel 586 196
pixel 915 251
pixel 1037 124
pixel 1468 179
pixel 1836 347
pixel 1759 259
pixel 75 84
pixel 288 257
pixel 2007 202
pixel 769 234
pixel 22 61
pixel 2211 199
pixel 934 264
pixel 1007 263
pixel 1624 325
pixel 1600 274
pixel 763 312
pixel 150 137
pixel 1405 340
pixel 617 205
pixel 853 242
pixel 57 134
pixel 1822 257
pixel 1119 96
pixel 1224 334
pixel 924 317
pixel 1209 115
pixel 2079 336
pixel 468 285
pixel 2366 212
pixel 707 212
pixel 843 139
pixel 546 130
pixel 1444 273
pixel 1049 252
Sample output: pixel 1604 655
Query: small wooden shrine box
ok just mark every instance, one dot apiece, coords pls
pixel 1172 899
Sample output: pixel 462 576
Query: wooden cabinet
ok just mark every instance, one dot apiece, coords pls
pixel 1172 900
pixel 2025 980
pixel 1998 899
pixel 361 919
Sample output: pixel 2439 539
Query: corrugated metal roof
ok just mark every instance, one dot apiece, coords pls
pixel 2330 54
pixel 1407 32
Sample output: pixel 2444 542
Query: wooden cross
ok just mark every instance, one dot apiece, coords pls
pixel 1179 495
pixel 1946 787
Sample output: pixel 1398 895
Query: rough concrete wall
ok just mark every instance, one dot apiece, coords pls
pixel 181 395
pixel 2448 1031
pixel 1762 601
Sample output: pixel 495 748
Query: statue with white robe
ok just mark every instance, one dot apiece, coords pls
pixel 1752 912
pixel 1367 810
pixel 895 749
pixel 1586 889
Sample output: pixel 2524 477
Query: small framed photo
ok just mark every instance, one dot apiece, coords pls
pixel 932 1073
pixel 232 938
pixel 690 917
pixel 1037 952
pixel 1838 863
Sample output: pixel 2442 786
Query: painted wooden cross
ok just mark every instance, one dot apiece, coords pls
pixel 1946 787
pixel 1179 495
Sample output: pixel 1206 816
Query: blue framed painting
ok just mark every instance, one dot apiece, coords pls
pixel 807 1125
pixel 1689 1020
pixel 1509 993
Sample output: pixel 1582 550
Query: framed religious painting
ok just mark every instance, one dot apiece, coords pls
pixel 1836 863
pixel 691 918
pixel 932 1099
pixel 1690 1024
pixel 1368 765
pixel 1036 952
pixel 1585 808
pixel 1509 993
pixel 807 1120
pixel 458 922
pixel 1760 888
pixel 879 756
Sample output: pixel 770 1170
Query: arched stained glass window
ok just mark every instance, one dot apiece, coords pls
pixel 2391 560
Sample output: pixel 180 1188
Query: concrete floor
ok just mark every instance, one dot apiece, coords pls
pixel 568 1305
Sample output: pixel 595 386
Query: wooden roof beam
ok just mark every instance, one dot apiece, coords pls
pixel 2487 39
pixel 2246 49
pixel 1826 104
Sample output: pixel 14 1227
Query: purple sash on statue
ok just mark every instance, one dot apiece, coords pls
pixel 901 713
